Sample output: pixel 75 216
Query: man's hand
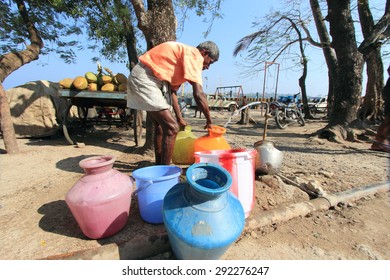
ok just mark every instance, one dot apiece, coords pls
pixel 182 122
pixel 208 126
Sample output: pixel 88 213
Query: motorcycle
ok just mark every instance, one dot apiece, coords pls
pixel 286 113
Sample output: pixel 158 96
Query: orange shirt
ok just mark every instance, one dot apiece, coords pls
pixel 175 63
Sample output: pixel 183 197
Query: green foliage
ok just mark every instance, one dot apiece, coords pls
pixel 104 25
pixel 56 29
pixel 107 25
pixel 201 8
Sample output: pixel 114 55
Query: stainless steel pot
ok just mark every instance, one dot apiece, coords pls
pixel 268 159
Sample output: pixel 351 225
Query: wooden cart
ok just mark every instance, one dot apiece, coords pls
pixel 110 110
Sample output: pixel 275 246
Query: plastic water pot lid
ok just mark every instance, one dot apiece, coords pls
pixel 97 161
pixel 209 178
pixel 215 129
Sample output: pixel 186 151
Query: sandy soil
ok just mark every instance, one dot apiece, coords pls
pixel 36 222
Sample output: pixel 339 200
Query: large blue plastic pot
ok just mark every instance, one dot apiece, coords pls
pixel 152 184
pixel 201 216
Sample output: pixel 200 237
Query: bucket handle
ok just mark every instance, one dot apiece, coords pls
pixel 148 183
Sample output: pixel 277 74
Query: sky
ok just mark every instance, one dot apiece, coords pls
pixel 237 22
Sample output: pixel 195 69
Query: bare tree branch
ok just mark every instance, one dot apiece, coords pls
pixel 379 32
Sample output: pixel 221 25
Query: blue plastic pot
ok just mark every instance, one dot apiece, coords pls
pixel 201 216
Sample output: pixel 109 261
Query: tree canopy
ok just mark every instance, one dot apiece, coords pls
pixel 33 28
pixel 57 29
pixel 344 53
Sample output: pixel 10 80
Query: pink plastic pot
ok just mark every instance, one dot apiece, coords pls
pixel 100 200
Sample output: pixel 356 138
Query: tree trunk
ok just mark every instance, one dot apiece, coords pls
pixel 158 24
pixel 9 63
pixel 129 35
pixel 329 54
pixel 372 105
pixel 348 84
pixel 7 127
pixel 302 79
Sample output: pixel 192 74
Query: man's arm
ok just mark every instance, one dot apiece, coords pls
pixel 201 101
pixel 176 109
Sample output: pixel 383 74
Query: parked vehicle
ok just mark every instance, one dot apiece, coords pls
pixel 286 113
pixel 289 99
pixel 219 102
pixel 319 105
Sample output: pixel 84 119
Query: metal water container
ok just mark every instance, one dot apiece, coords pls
pixel 269 159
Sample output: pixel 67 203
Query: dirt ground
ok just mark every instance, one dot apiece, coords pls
pixel 36 223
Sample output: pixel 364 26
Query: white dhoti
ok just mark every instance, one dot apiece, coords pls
pixel 145 91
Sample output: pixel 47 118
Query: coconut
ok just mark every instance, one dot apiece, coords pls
pixel 66 83
pixel 92 86
pixel 121 78
pixel 91 77
pixel 80 83
pixel 122 87
pixel 106 79
pixel 109 87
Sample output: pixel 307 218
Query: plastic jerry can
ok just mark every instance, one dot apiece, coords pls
pixel 183 152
